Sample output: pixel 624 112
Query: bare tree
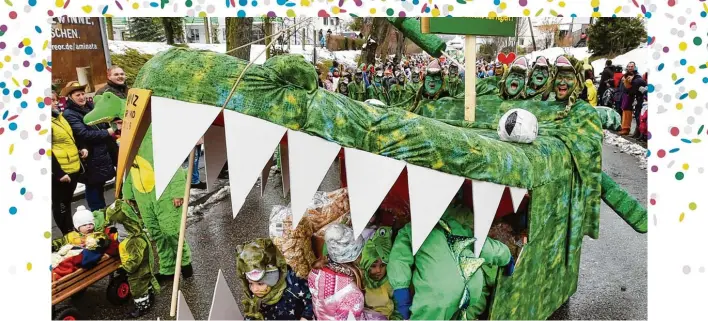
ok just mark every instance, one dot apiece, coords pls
pixel 522 25
pixel 548 29
pixel 109 27
pixel 207 35
pixel 375 31
pixel 238 33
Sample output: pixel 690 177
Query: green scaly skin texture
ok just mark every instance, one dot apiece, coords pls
pixel 136 251
pixel 562 167
pixel 160 216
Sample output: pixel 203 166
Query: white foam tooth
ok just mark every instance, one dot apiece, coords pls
pixel 310 157
pixel 517 196
pixel 485 200
pixel 176 128
pixel 223 303
pixel 251 142
pixel 430 195
pixel 369 179
pixel 183 312
pixel 214 153
pixel 264 175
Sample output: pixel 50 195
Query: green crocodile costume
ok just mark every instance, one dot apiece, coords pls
pixel 450 282
pixel 357 88
pixel 135 255
pixel 161 217
pixel 562 168
pixel 512 84
pixel 397 93
pixel 454 83
pixel 539 83
pixel 378 247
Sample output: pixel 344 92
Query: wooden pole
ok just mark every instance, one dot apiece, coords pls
pixel 424 25
pixel 182 228
pixel 470 77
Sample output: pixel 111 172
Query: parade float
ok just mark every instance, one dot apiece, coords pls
pixel 410 161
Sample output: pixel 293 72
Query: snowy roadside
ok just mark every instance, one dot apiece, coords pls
pixel 627 147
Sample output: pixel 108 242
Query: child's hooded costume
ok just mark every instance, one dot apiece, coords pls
pixel 450 282
pixel 288 297
pixel 379 294
pixel 135 255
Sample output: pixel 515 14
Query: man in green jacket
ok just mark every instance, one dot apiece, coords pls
pixel 450 282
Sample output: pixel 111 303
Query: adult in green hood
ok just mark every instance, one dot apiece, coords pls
pixel 512 84
pixel 568 81
pixel 539 81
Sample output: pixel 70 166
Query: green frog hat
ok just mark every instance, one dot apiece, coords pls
pixel 512 84
pixel 568 81
pixel 378 246
pixel 260 261
pixel 539 80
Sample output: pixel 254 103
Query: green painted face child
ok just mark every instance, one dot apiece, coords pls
pixel 433 83
pixel 539 77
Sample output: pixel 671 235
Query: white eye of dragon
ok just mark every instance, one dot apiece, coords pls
pixel 382 232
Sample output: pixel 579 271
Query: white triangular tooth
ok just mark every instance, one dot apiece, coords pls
pixel 351 317
pixel 310 158
pixel 223 303
pixel 430 195
pixel 265 173
pixel 517 196
pixel 176 128
pixel 485 199
pixel 214 153
pixel 183 312
pixel 369 179
pixel 250 144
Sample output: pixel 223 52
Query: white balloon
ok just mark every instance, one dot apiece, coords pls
pixel 519 126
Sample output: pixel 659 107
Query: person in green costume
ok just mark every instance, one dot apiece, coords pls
pixel 396 91
pixel 376 90
pixel 135 255
pixel 539 80
pixel 374 258
pixel 357 88
pixel 413 86
pixel 434 86
pixel 450 283
pixel 343 86
pixel 568 81
pixel 454 82
pixel 162 216
pixel 512 84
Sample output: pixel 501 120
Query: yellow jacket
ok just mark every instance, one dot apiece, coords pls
pixel 592 92
pixel 64 145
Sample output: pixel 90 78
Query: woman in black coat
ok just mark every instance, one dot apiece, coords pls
pixel 98 139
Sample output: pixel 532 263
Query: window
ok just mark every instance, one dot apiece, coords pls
pixel 326 21
pixel 193 35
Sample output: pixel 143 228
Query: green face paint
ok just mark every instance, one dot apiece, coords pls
pixel 433 84
pixel 539 77
pixel 415 78
pixel 564 84
pixel 514 83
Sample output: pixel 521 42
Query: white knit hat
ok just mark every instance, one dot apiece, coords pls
pixel 82 217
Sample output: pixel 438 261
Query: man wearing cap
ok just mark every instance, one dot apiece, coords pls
pixel 357 88
pixel 99 141
pixel 116 83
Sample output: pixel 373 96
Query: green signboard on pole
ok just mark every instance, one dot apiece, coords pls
pixel 499 26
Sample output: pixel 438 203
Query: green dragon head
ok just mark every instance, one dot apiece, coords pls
pixel 107 108
pixel 377 247
pixel 568 79
pixel 538 81
pixel 512 84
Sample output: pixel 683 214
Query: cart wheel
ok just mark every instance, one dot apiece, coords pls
pixel 118 291
pixel 68 313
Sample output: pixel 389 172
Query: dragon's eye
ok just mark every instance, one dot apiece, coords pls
pixel 382 232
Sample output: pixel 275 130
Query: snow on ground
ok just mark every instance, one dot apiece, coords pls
pixel 217 197
pixel 80 188
pixel 346 57
pixel 552 53
pixel 638 56
pixel 627 147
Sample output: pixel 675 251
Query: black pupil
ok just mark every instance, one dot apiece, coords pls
pixel 510 123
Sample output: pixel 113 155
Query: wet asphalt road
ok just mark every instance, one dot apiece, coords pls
pixel 613 272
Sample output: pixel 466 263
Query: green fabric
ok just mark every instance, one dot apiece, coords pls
pixel 609 117
pixel 378 246
pixel 136 251
pixel 161 217
pixel 357 91
pixel 439 286
pixel 377 92
pixel 455 86
pixel 628 208
pixel 396 94
pixel 262 255
pixel 561 168
pixel 430 43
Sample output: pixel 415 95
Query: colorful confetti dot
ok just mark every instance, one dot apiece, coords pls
pixel 13 210
pixel 692 206
pixel 679 175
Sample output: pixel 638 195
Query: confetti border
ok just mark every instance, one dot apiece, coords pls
pixel 676 154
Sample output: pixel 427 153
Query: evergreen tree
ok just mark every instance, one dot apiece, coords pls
pixel 146 29
pixel 611 36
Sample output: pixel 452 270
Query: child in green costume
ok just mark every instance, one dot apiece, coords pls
pixel 450 282
pixel 135 256
pixel 374 258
